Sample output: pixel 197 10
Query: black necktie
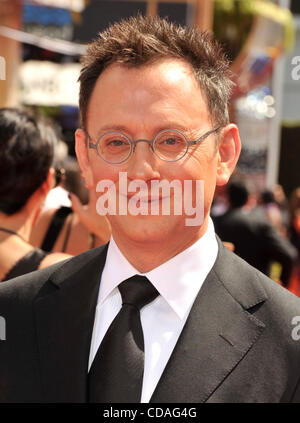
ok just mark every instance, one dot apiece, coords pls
pixel 116 374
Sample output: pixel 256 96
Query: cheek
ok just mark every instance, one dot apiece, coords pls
pixel 198 167
pixel 201 168
pixel 102 170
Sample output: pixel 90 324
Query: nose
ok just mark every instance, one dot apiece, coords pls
pixel 143 163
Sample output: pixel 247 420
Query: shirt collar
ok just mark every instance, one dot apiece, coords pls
pixel 183 273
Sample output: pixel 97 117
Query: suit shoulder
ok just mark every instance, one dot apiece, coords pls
pixel 27 286
pixel 282 298
pixel 249 286
pixel 262 299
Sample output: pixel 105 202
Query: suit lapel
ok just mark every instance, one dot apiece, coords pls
pixel 216 337
pixel 64 319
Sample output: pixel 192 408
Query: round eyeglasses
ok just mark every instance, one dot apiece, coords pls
pixel 169 145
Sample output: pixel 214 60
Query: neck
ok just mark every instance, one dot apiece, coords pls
pixel 147 255
pixel 21 223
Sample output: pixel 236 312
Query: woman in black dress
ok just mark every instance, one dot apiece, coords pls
pixel 26 176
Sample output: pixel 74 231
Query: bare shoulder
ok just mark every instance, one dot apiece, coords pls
pixel 53 258
pixel 41 226
pixel 35 283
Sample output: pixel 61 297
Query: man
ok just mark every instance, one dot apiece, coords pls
pixel 210 328
pixel 254 237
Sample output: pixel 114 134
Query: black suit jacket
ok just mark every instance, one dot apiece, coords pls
pixel 256 240
pixel 236 346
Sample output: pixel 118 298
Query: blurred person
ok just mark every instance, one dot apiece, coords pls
pixel 163 313
pixel 255 239
pixel 26 154
pixel 71 229
pixel 294 210
pixel 220 202
pixel 271 209
pixel 73 180
pixel 294 236
pixel 282 202
pixel 58 195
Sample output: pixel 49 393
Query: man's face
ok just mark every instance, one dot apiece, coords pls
pixel 140 102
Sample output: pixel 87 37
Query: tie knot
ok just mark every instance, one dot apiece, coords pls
pixel 137 291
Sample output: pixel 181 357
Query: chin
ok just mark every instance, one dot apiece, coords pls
pixel 146 228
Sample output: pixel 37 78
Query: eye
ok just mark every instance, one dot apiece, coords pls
pixel 116 143
pixel 170 141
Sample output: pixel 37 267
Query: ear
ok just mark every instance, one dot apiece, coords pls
pixel 228 153
pixel 83 158
pixel 49 183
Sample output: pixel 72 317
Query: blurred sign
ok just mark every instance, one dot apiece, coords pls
pixel 253 115
pixel 47 21
pixel 49 84
pixel 34 14
pixel 74 5
pixel 272 33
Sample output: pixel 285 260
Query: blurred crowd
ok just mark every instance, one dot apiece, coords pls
pixel 48 215
pixel 262 227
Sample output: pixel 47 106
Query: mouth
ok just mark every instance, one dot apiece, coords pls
pixel 143 199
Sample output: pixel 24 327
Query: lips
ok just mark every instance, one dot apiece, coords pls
pixel 150 200
pixel 146 199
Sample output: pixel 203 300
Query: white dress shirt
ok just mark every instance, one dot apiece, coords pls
pixel 178 281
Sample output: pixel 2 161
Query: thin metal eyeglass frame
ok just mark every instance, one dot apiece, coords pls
pixel 151 143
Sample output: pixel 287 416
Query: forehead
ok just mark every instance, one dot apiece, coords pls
pixel 167 70
pixel 164 87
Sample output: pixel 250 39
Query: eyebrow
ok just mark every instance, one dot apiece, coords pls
pixel 122 128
